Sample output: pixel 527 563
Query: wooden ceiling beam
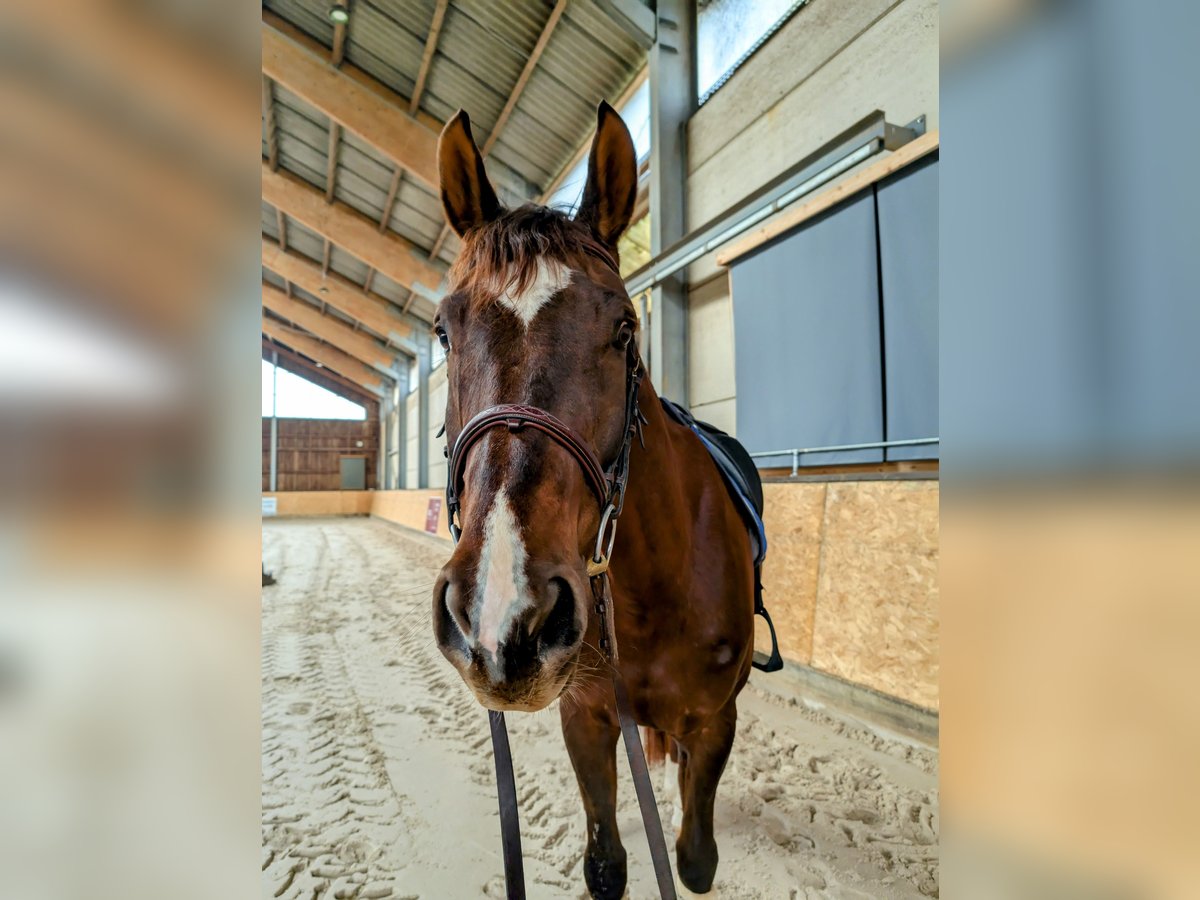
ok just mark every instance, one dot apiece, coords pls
pixel 431 41
pixel 346 100
pixel 391 254
pixel 328 356
pixel 343 295
pixel 358 344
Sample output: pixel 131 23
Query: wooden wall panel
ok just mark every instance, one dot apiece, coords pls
pixel 322 503
pixel 310 450
pixel 409 508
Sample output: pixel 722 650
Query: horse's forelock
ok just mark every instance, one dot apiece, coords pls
pixel 502 255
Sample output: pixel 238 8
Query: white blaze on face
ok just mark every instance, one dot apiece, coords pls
pixel 551 278
pixel 501 583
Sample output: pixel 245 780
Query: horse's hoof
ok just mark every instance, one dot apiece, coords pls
pixel 697 868
pixel 605 875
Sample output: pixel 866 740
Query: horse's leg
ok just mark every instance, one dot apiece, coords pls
pixel 705 752
pixel 591 737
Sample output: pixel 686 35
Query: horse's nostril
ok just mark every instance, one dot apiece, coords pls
pixel 560 628
pixel 451 614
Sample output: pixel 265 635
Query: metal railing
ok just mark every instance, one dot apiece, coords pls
pixel 796 452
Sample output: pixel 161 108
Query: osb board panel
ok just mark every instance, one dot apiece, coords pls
pixel 793 516
pixel 321 503
pixel 876 620
pixel 408 508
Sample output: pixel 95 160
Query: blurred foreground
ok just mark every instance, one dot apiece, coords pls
pixel 128 450
pixel 1070 415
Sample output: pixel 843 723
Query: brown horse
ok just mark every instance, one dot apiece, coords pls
pixel 537 315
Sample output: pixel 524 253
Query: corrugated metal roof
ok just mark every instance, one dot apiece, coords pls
pixel 482 49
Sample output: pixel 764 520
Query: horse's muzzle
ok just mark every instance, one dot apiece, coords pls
pixel 517 656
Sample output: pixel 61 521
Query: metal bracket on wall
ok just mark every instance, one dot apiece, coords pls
pixel 896 136
pixel 871 135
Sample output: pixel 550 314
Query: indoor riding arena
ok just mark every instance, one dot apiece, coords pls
pixel 750 187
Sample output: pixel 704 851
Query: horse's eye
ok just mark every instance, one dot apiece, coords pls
pixel 443 337
pixel 624 335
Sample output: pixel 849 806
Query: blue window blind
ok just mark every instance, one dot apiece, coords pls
pixel 807 340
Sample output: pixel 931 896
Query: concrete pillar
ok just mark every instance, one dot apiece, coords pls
pixel 424 366
pixel 385 406
pixel 402 432
pixel 672 102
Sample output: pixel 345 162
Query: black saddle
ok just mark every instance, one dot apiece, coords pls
pixel 741 477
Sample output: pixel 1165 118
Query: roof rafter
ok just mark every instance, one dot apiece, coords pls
pixel 350 102
pixel 338 53
pixel 390 202
pixel 328 356
pixel 523 79
pixel 358 344
pixel 335 137
pixel 391 254
pixel 343 295
pixel 272 129
pixel 435 31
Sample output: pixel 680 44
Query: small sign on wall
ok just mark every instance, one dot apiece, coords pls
pixel 269 506
pixel 432 514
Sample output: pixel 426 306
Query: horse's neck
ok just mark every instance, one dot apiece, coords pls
pixel 660 485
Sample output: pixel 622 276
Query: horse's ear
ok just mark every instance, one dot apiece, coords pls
pixel 467 195
pixel 611 187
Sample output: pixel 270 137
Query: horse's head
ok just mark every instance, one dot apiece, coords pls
pixel 536 315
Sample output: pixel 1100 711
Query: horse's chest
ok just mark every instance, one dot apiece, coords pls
pixel 677 685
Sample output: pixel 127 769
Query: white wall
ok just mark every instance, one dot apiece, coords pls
pixel 833 63
pixel 391 439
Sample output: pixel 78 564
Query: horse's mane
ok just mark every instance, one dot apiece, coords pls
pixel 502 255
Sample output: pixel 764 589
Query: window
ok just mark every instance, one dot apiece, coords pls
pixel 287 395
pixel 729 31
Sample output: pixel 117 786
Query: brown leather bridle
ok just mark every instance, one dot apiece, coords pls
pixel 607 484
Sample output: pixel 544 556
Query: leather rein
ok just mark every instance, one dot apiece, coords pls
pixel 608 487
